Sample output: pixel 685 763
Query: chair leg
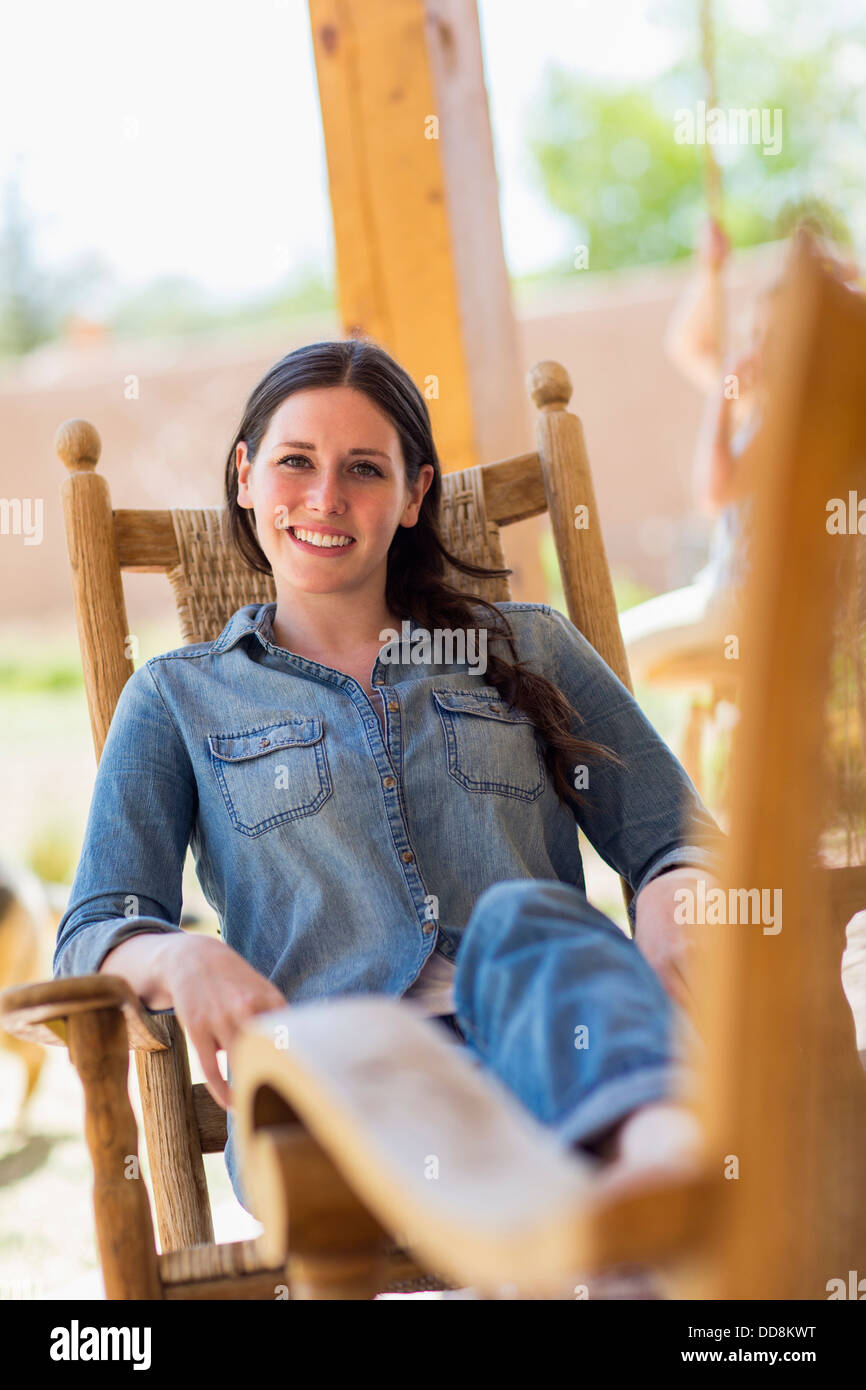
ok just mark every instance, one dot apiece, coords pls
pixel 99 1050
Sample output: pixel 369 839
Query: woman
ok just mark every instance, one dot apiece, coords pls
pixel 369 819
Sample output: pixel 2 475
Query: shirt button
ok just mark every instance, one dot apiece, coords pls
pixel 393 706
pixel 427 928
pixel 264 743
pixel 390 782
pixel 407 856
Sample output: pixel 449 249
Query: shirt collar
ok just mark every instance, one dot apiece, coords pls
pixel 257 618
pixel 252 618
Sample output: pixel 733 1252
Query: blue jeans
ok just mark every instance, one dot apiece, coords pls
pixel 564 1009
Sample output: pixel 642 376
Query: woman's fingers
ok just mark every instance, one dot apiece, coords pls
pixel 207 1047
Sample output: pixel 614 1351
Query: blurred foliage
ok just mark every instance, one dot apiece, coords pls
pixel 606 157
pixel 33 675
pixel 53 852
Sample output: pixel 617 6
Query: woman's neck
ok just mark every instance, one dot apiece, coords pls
pixel 348 633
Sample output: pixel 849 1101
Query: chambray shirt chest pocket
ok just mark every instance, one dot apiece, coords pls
pixel 273 773
pixel 489 748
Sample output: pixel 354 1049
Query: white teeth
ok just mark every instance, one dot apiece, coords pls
pixel 316 538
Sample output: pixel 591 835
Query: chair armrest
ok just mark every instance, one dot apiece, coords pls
pixel 343 1106
pixel 38 1012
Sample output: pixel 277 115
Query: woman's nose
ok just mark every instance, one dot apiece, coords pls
pixel 324 492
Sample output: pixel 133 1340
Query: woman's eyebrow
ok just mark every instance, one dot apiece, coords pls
pixel 299 444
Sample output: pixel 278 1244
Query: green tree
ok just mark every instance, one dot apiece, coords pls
pixel 607 158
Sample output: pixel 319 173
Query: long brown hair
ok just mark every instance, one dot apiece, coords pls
pixel 415 585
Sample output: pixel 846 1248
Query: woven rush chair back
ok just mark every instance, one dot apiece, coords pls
pixel 210 582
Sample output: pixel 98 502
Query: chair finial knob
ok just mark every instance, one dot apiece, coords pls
pixel 549 385
pixel 78 444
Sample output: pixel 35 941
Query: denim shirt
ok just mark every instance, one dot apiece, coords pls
pixel 337 855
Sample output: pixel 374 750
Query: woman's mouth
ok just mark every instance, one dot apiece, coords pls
pixel 322 542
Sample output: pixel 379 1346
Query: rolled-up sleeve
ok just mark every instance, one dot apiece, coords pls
pixel 646 817
pixel 129 876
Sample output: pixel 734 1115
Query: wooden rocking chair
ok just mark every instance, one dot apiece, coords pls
pixel 98 1017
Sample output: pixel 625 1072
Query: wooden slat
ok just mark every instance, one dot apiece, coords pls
pixel 513 489
pixel 210 1119
pixel 209 1261
pixel 145 540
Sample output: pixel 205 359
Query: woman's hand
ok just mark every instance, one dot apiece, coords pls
pixel 213 992
pixel 667 944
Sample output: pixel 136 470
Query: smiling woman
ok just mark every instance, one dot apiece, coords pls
pixel 426 850
pixel 384 493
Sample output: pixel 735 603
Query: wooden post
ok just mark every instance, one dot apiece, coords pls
pixel 183 1214
pixel 100 608
pixel 98 1048
pixel 174 1149
pixel 571 499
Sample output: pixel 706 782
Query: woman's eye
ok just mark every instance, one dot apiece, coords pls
pixel 294 459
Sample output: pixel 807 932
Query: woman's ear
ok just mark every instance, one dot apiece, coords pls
pixel 243 466
pixel 416 495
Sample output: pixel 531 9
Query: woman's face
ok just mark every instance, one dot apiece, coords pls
pixel 330 467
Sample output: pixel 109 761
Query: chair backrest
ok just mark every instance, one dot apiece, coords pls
pixel 782 1092
pixel 210 582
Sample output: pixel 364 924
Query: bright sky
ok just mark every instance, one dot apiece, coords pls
pixel 185 137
